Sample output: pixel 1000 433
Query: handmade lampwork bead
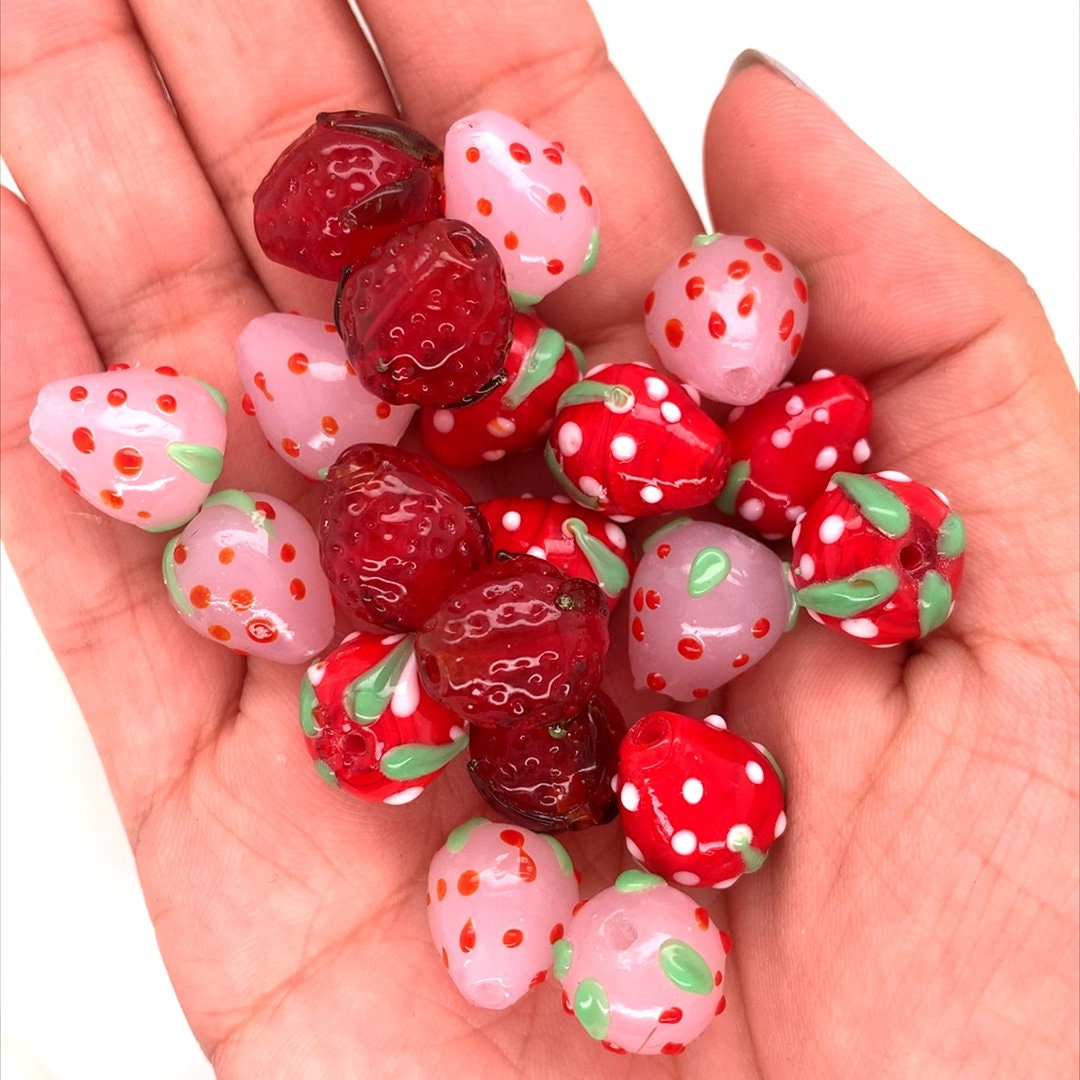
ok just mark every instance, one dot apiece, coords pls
pixel 143 445
pixel 728 315
pixel 699 804
pixel 706 603
pixel 498 896
pixel 527 196
pixel 245 573
pixel 642 966
pixel 878 557
pixel 298 387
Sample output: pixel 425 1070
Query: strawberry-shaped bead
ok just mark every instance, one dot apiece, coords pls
pixel 878 557
pixel 141 445
pixel 630 441
pixel 298 387
pixel 699 804
pixel 245 573
pixel 553 778
pixel 396 533
pixel 369 725
pixel 347 183
pixel 642 966
pixel 516 641
pixel 707 602
pixel 527 196
pixel 728 315
pixel 785 447
pixel 541 364
pixel 580 542
pixel 497 897
pixel 426 318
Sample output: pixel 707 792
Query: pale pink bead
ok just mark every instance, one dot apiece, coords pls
pixel 642 966
pixel 298 387
pixel 706 603
pixel 245 573
pixel 526 196
pixel 498 897
pixel 728 316
pixel 142 445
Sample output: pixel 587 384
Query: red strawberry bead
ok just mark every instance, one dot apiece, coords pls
pixel 630 441
pixel 347 183
pixel 699 804
pixel 581 543
pixel 517 641
pixel 369 725
pixel 551 778
pixel 878 558
pixel 539 367
pixel 395 534
pixel 785 447
pixel 427 318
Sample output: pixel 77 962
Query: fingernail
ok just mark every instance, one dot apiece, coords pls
pixel 750 57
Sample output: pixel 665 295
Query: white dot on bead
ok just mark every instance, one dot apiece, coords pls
pixel 821 416
pixel 754 772
pixel 316 672
pixel 570 439
pixel 656 388
pixel 591 487
pixel 616 537
pixel 942 496
pixel 726 883
pixel 752 509
pixel 501 427
pixel 860 451
pixel 693 790
pixel 623 447
pixel 684 842
pixel 537 552
pixel 651 494
pixel 793 513
pixel 780 826
pixel 859 628
pixel 806 566
pixel 826 459
pixel 629 797
pixel 898 477
pixel 399 798
pixel 794 405
pixel 739 836
pixel 736 413
pixel 443 421
pixel 692 393
pixel 456 732
pixel 511 521
pixel 831 529
pixel 635 851
pixel 493 455
pixel 715 720
pixel 686 877
pixel 780 438
pixel 822 373
pixel 670 412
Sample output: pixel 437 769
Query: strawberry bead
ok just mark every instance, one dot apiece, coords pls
pixel 629 441
pixel 517 641
pixel 552 778
pixel 728 315
pixel 369 725
pixel 426 318
pixel 785 447
pixel 581 543
pixel 878 557
pixel 395 534
pixel 515 417
pixel 699 804
pixel 347 183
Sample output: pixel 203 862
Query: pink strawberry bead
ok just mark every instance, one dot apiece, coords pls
pixel 141 445
pixel 642 966
pixel 728 316
pixel 498 896
pixel 699 804
pixel 706 603
pixel 299 388
pixel 526 196
pixel 245 573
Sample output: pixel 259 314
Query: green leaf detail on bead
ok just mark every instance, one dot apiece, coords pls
pixel 592 253
pixel 951 539
pixel 707 570
pixel 366 698
pixel 202 462
pixel 214 392
pixel 654 538
pixel 562 956
pixel 308 701
pixel 326 773
pixel 523 300
pixel 741 840
pixel 935 600
pixel 539 366
pixel 459 837
pixel 705 238
pixel 579 357
pixel 609 569
pixel 411 761
pixel 592 1008
pixel 851 595
pixel 737 475
pixel 168 572
pixel 793 603
pixel 566 864
pixel 566 483
pixel 880 506
pixel 630 881
pixel 618 398
pixel 245 504
pixel 685 967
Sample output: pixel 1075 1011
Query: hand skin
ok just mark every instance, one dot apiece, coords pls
pixel 920 916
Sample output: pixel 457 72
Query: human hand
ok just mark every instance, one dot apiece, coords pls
pixel 913 891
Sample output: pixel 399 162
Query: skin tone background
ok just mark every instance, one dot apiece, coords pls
pixel 980 114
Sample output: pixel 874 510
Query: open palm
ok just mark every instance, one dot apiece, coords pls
pixel 920 916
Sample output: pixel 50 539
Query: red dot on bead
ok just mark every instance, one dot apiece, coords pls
pixel 83 438
pixel 760 628
pixel 165 369
pixel 440 888
pixel 383 410
pixel 672 1048
pixel 787 324
pixel 261 631
pixel 483 207
pixel 537 979
pixel 586 195
pixel 637 628
pixel 241 599
pixel 796 343
pixel 329 425
pixel 556 203
pixel 288 553
pixel 567 1007
pixel 445 958
pixel 687 259
pixel 738 269
pixel 673 331
pixel 663 551
pixel 179 554
pixel 604 1043
pixel 69 479
pixel 800 289
pixel 577 907
pixel 639 599
pixel 291 447
pixel 513 938
pixel 298 363
pixel 200 597
pixel 330 328
pixel 520 153
pixel 166 403
pixel 721 1005
pixel 467 937
pixel 512 837
pixel 118 367
pixel 725 941
pixel 741 660
pixel 128 461
pixel 652 599
pixel 670 1016
pixel 754 244
pixel 555 267
pixel 557 931
pixel 468 883
pixel 78 393
pixel 655 681
pixel 510 241
pixel 717 326
pixel 694 287
pixel 297 589
pixel 772 262
pixel 472 154
pixel 117 397
pixel 259 379
pixel 700 692
pixel 746 305
pixel 218 632
pixel 113 499
pixel 553 155
pixel 265 509
pixel 690 648
pixel 701 917
pixel 650 299
pixel 718 978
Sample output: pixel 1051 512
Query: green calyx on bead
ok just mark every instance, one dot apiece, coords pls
pixel 849 596
pixel 881 507
pixel 654 538
pixel 538 367
pixel 367 697
pixel 610 570
pixel 566 864
pixel 592 1008
pixel 740 840
pixel 308 703
pixel 412 761
pixel 737 475
pixel 935 602
pixel 951 539
pixel 562 956
pixel 710 566
pixel 168 573
pixel 202 462
pixel 618 398
pixel 566 483
pixel 326 773
pixel 459 837
pixel 630 881
pixel 592 253
pixel 685 967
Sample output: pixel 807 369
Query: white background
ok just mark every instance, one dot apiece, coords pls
pixel 974 103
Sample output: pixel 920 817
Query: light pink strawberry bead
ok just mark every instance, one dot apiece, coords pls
pixel 245 573
pixel 498 897
pixel 143 445
pixel 526 196
pixel 728 316
pixel 299 388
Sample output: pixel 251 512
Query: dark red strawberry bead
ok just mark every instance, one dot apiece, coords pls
pixel 395 535
pixel 699 804
pixel 345 185
pixel 580 542
pixel 786 446
pixel 539 367
pixel 369 725
pixel 427 318
pixel 630 441
pixel 878 558
pixel 554 778
pixel 517 641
